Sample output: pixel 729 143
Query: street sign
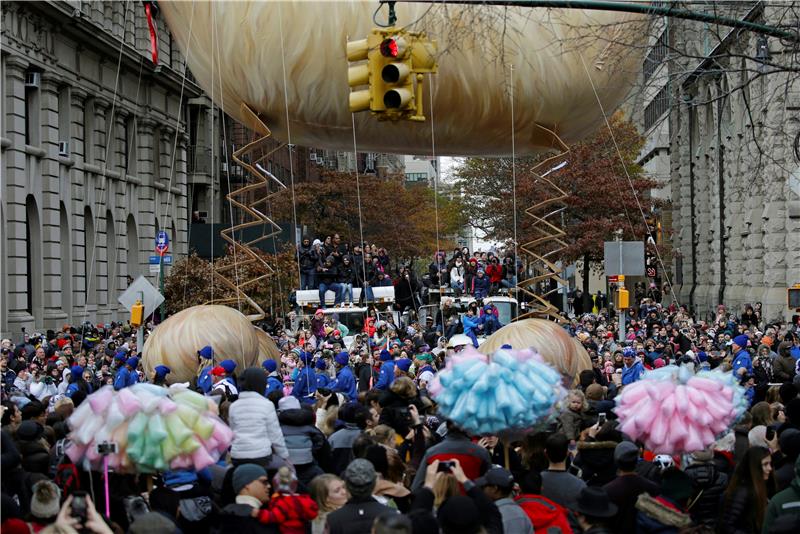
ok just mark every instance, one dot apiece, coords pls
pixel 162 242
pixel 613 279
pixel 141 288
pixel 624 257
pixel 155 260
pixel 155 268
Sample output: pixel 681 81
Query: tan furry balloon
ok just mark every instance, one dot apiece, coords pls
pixel 175 342
pixel 555 345
pixel 257 52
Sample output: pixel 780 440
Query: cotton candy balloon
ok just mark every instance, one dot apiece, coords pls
pixel 506 393
pixel 154 429
pixel 672 410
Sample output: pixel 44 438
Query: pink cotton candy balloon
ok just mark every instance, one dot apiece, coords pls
pixel 673 411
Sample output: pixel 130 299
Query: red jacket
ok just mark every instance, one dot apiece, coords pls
pixel 495 272
pixel 290 512
pixel 544 514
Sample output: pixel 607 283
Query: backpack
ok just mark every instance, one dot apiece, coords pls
pixel 63 472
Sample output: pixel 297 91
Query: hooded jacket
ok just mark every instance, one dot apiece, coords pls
pixel 658 514
pixel 308 258
pixel 785 505
pixel 708 485
pixel 256 430
pixel 544 514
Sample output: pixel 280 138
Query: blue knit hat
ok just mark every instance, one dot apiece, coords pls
pixel 342 358
pixel 228 365
pixel 162 370
pixel 404 364
pixel 321 365
pixel 206 352
pixel 121 355
pixel 76 371
pixel 741 340
pixel 306 357
pixel 629 352
pixel 133 362
pixel 270 365
pixel 386 355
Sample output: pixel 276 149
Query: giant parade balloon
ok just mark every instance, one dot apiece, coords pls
pixel 287 62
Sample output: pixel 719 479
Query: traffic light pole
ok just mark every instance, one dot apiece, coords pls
pixel 645 9
pixel 161 286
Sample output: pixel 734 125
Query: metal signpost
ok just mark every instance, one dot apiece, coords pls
pixel 623 258
pixel 162 247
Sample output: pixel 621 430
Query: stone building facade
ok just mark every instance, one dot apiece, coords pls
pixel 728 129
pixel 94 158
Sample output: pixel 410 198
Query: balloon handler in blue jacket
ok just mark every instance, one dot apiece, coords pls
pixel 273 380
pixel 345 382
pixel 305 384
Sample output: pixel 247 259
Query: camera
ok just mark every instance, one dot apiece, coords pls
pixel 601 419
pixel 105 448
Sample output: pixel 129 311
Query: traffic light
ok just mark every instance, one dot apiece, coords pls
pixel 623 299
pixel 358 75
pixel 393 73
pixel 137 314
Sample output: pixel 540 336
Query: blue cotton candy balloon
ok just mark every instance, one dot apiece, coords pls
pixel 507 394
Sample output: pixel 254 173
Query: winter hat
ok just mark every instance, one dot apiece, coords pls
pixel 319 312
pixel 46 499
pixel 789 442
pixel 245 474
pixel 496 476
pixel 152 523
pixel 29 430
pixel 228 365
pixel 459 514
pixel 316 242
pixel 162 370
pixel 425 357
pixel 359 477
pixel 321 365
pixel 76 371
pixel 386 355
pixel 206 352
pixel 121 355
pixel 404 364
pixel 706 455
pixel 288 403
pixel 218 371
pixel 626 452
pixel 741 340
pixel 628 352
pixel 306 357
pixel 133 362
pixel 270 365
pixel 342 358
pixel 658 363
pixel 676 485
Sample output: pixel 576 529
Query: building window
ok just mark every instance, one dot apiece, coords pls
pixel 88 130
pixel 89 258
pixel 64 104
pixel 33 257
pixel 656 108
pixel 416 176
pixel 156 154
pixel 129 150
pixel 655 57
pixel 32 107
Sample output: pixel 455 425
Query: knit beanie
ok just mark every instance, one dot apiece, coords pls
pixel 46 500
pixel 245 474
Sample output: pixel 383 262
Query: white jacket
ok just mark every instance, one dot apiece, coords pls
pixel 256 431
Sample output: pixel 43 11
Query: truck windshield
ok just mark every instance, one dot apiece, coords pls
pixel 506 310
pixel 353 320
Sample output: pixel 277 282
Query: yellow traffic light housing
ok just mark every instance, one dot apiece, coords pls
pixel 622 299
pixel 793 297
pixel 393 73
pixel 137 314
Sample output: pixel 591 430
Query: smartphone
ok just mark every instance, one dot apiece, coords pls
pixel 445 466
pixel 105 448
pixel 601 419
pixel 79 506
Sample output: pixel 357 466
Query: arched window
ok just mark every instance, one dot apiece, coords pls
pixel 33 258
pixel 66 262
pixel 112 256
pixel 89 258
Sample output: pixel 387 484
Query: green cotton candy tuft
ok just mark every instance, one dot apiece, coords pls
pixel 191 398
pixel 177 429
pixel 187 415
pixel 204 427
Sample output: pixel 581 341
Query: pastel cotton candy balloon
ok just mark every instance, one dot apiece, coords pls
pixel 673 411
pixel 154 428
pixel 506 393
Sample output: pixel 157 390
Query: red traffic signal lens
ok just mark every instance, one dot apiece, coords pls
pixel 389 48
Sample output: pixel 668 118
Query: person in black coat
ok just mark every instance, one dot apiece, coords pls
pixel 359 513
pixel 708 485
pixel 406 289
pixel 308 257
